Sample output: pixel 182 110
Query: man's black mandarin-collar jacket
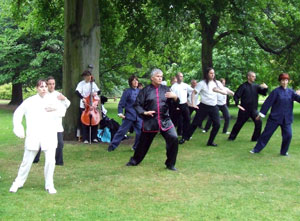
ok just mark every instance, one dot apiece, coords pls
pixel 153 98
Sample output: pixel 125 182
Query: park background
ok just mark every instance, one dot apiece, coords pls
pixel 39 38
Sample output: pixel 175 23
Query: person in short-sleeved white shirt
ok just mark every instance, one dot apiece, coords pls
pixel 182 89
pixel 208 89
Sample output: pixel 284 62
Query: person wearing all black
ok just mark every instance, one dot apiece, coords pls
pixel 152 104
pixel 208 89
pixel 181 90
pixel 248 94
pixel 281 101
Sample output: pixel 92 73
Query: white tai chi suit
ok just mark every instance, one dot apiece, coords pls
pixel 41 132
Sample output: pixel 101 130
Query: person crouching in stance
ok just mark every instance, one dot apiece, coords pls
pixel 281 101
pixel 152 104
pixel 41 131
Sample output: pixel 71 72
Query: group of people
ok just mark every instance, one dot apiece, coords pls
pixel 154 109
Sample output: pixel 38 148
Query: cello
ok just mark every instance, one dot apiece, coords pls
pixel 91 116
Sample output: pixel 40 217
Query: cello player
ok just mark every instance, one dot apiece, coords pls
pixel 83 89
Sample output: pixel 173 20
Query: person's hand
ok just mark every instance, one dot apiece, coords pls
pixel 241 108
pixel 149 113
pixel 61 97
pixel 121 116
pixel 257 117
pixel 170 95
pixel 263 85
pixel 19 132
pixel 195 106
pixel 49 109
pixel 298 92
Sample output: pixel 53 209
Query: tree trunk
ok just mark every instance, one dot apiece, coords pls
pixel 207 51
pixel 81 48
pixel 17 94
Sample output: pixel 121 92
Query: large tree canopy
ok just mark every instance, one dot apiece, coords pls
pixel 234 36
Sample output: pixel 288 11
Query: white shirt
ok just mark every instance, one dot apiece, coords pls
pixel 181 90
pixel 208 96
pixel 62 106
pixel 41 129
pixel 84 89
pixel 196 98
pixel 222 98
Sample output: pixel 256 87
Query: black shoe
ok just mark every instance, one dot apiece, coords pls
pixel 35 161
pixel 131 162
pixel 230 139
pixel 284 154
pixel 171 168
pixel 110 148
pixel 181 141
pixel 59 164
pixel 212 144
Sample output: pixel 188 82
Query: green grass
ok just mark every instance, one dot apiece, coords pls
pixel 223 183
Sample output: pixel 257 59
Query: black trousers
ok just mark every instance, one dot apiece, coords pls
pixel 226 116
pixel 146 139
pixel 186 119
pixel 204 111
pixel 59 150
pixel 176 119
pixel 242 118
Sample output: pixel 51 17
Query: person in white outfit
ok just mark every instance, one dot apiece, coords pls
pixel 41 121
pixel 64 103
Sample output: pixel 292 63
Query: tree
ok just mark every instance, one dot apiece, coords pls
pixel 82 47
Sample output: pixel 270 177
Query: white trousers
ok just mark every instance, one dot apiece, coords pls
pixel 28 158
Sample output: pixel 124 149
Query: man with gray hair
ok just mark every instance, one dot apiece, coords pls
pixel 248 94
pixel 152 104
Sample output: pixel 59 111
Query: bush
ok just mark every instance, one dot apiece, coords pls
pixel 6 89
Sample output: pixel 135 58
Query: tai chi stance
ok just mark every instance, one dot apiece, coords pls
pixel 222 105
pixel 41 131
pixel 208 89
pixel 281 101
pixel 131 118
pixel 65 103
pixel 152 104
pixel 248 94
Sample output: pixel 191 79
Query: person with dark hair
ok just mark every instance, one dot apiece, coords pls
pixel 130 117
pixel 248 94
pixel 140 86
pixel 181 90
pixel 65 103
pixel 221 104
pixel 208 89
pixel 281 101
pixel 41 131
pixel 83 90
pixel 152 104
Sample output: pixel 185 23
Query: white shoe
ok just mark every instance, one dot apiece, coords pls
pixel 228 132
pixel 51 190
pixel 95 141
pixel 86 142
pixel 204 131
pixel 14 188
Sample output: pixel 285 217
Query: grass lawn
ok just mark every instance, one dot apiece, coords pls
pixel 213 183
